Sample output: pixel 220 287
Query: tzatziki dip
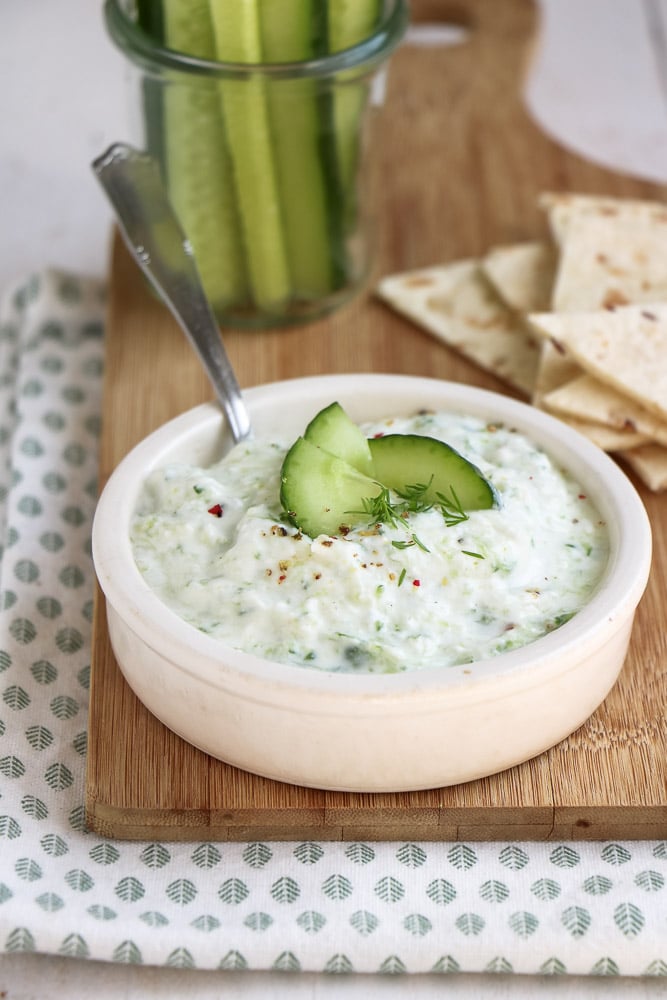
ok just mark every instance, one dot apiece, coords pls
pixel 216 547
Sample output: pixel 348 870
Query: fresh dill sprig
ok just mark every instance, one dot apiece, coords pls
pixel 412 499
pixel 382 509
pixel 451 510
pixel 413 540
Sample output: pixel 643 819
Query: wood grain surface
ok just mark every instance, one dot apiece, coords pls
pixel 460 168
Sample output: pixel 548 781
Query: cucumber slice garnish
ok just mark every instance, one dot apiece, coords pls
pixel 403 460
pixel 333 430
pixel 330 476
pixel 320 491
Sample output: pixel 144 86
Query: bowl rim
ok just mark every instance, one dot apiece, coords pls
pixel 213 662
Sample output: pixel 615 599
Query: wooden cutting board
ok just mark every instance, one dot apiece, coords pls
pixel 461 165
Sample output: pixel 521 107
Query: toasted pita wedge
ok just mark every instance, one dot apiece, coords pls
pixel 650 463
pixel 585 398
pixel 624 348
pixel 607 438
pixel 556 366
pixel 555 369
pixel 522 274
pixel 458 304
pixel 564 206
pixel 613 252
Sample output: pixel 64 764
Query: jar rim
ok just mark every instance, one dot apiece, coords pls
pixel 142 49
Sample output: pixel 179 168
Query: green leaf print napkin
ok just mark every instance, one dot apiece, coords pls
pixel 591 908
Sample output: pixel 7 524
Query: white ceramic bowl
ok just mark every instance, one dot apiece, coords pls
pixel 369 733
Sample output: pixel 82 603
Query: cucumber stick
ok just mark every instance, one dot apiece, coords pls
pixel 262 173
pixel 287 36
pixel 348 23
pixel 237 32
pixel 197 164
pixel 149 19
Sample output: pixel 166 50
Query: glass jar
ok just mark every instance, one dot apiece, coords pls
pixel 266 159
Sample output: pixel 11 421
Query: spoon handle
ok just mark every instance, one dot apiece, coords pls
pixel 147 221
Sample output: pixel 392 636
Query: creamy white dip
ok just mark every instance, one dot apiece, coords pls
pixel 500 579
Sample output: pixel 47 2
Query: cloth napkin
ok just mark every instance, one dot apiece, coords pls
pixel 577 908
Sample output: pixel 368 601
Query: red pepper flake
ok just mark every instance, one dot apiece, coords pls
pixel 216 510
pixel 380 434
pixel 582 496
pixel 416 583
pixel 282 577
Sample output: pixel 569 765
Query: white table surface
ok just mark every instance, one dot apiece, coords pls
pixel 598 84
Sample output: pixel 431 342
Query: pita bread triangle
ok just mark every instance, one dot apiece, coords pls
pixel 457 303
pixel 522 274
pixel 624 348
pixel 612 251
pixel 586 398
pixel 650 463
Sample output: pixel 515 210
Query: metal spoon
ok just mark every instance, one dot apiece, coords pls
pixel 154 236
